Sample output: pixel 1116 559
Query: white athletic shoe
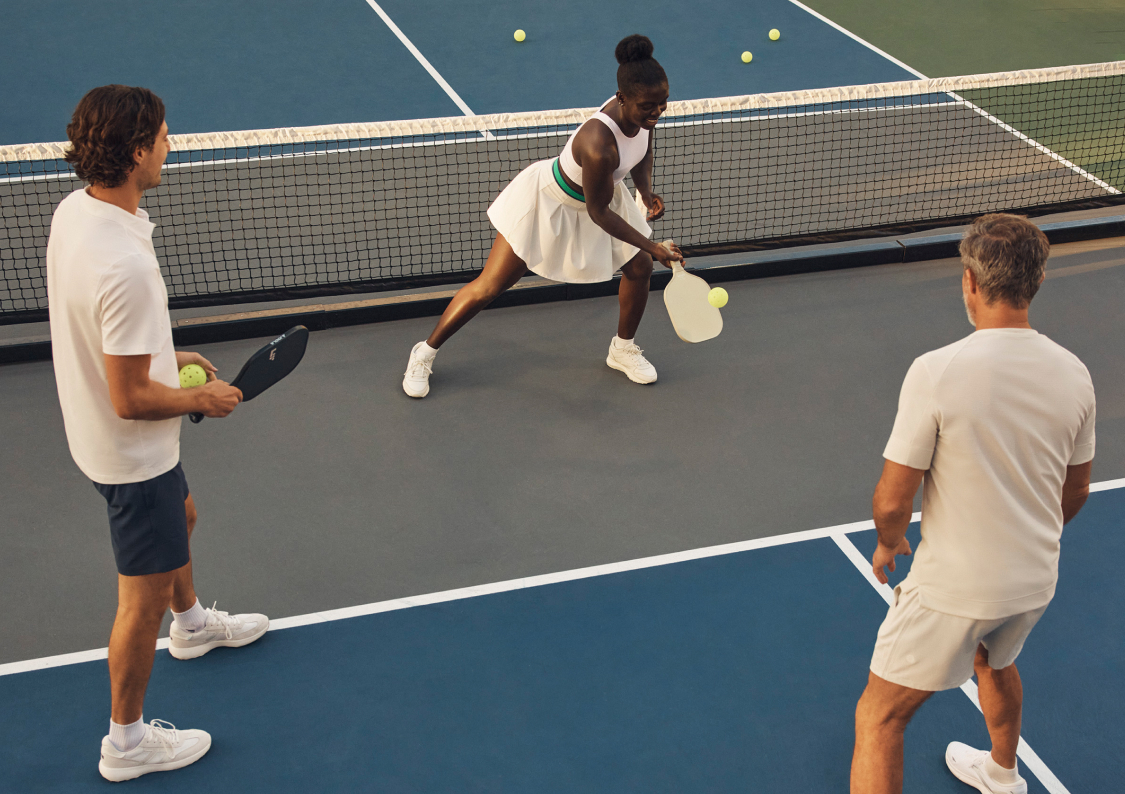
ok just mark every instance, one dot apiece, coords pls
pixel 630 361
pixel 967 765
pixel 416 383
pixel 221 630
pixel 163 749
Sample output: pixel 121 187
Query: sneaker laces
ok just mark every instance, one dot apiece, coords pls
pixel 632 351
pixel 165 734
pixel 225 619
pixel 420 367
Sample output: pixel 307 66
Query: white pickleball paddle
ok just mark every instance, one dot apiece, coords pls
pixel 692 315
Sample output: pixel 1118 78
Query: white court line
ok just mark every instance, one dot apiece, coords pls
pixel 429 67
pixel 835 532
pixel 864 42
pixel 1030 758
pixel 12 668
pixel 987 116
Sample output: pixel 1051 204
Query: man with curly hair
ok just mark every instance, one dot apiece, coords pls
pixel 118 382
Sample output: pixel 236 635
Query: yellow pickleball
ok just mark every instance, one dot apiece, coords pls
pixel 520 35
pixel 775 34
pixel 747 57
pixel 717 297
pixel 191 376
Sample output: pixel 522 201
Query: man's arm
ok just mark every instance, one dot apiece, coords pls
pixel 892 506
pixel 1076 489
pixel 136 396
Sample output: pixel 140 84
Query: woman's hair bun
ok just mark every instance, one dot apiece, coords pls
pixel 633 48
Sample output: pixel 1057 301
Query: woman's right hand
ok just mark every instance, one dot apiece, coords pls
pixel 666 253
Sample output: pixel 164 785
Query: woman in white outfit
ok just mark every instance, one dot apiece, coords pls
pixel 572 219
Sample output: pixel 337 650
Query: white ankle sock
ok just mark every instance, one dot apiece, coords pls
pixel 192 620
pixel 999 773
pixel 126 737
pixel 620 343
pixel 425 351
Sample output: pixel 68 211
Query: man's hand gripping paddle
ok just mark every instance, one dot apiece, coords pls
pixel 692 315
pixel 269 365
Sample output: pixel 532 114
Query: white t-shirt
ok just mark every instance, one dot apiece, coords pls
pixel 106 296
pixel 994 420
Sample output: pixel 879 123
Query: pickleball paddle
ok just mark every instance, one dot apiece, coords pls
pixel 269 365
pixel 692 315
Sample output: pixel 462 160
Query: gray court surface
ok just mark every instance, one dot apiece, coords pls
pixel 529 456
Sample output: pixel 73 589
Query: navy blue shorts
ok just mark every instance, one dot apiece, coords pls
pixel 148 523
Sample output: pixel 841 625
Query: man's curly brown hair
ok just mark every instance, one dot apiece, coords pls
pixel 109 125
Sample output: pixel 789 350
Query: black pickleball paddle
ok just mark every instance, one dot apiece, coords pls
pixel 269 365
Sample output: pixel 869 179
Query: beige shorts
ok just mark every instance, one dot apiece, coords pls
pixel 923 649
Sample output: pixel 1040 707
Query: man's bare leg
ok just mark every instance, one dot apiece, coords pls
pixel 880 721
pixel 141 603
pixel 183 591
pixel 1001 701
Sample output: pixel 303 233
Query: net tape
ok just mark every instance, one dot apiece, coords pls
pixel 329 209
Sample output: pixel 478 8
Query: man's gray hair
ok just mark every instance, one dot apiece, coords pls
pixel 1007 255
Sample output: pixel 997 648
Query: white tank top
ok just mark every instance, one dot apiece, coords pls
pixel 630 151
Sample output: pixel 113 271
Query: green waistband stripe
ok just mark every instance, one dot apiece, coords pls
pixel 574 194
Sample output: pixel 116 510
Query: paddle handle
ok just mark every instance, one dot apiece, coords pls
pixel 677 265
pixel 196 418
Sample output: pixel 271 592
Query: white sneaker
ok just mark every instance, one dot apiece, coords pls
pixel 221 630
pixel 630 361
pixel 163 749
pixel 967 765
pixel 416 383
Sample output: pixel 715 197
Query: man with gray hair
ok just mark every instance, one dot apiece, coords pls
pixel 1000 429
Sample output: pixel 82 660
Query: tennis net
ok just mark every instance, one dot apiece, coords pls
pixel 287 213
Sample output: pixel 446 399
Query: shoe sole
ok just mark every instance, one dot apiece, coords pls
pixel 614 365
pixel 967 780
pixel 417 396
pixel 195 651
pixel 116 774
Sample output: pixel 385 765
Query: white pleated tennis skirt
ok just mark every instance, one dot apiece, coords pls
pixel 552 232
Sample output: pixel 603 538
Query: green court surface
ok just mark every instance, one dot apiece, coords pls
pixel 953 37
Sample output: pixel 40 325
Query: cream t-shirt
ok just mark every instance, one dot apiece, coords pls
pixel 994 420
pixel 106 296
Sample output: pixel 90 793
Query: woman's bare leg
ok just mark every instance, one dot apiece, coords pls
pixel 632 295
pixel 502 270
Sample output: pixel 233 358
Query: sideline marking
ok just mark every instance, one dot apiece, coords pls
pixel 838 533
pixel 864 42
pixel 312 618
pixel 434 73
pixel 1030 758
pixel 976 109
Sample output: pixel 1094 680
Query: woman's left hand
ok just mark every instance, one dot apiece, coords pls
pixel 655 206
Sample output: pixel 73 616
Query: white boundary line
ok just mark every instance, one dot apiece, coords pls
pixel 837 533
pixel 434 73
pixel 429 67
pixel 988 116
pixel 1029 757
pixel 392 605
pixel 864 42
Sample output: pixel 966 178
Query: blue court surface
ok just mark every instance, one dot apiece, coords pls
pixel 256 64
pixel 734 671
